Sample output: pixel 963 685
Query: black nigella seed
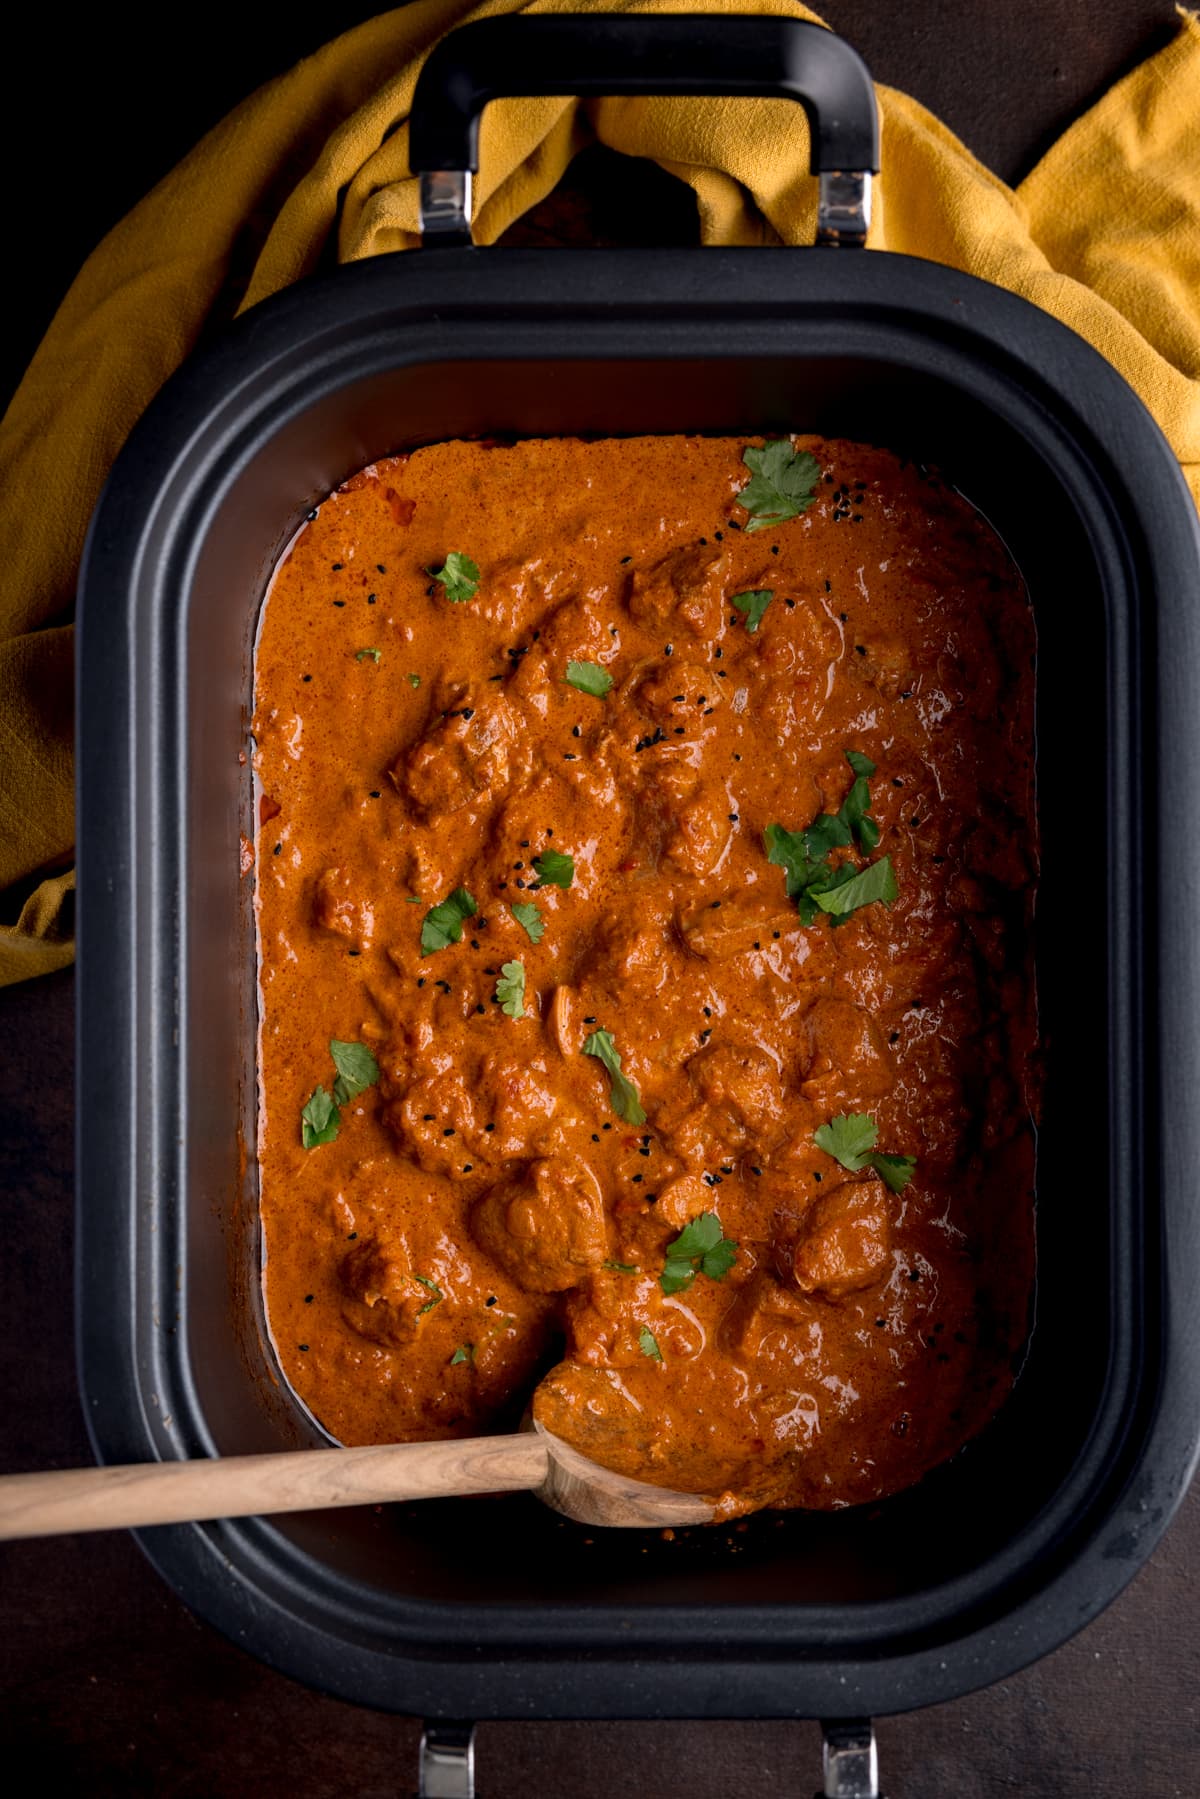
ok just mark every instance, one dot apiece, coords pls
pixel 313 514
pixel 370 599
pixel 353 952
pixel 449 1131
pixel 637 1180
pixel 303 1348
pixel 569 757
pixel 427 1117
pixel 421 982
pixel 467 1167
pixel 337 565
pixel 474 943
pixel 595 1137
pixel 479 1008
pixel 306 677
pixel 668 649
pixel 381 568
pixel 278 850
pixel 625 559
pixel 643 1152
pixel 575 731
pixel 489 1127
pixel 860 649
pixel 708 1011
pixel 339 603
pixel 774 549
pixel 308 1299
pixel 606 1127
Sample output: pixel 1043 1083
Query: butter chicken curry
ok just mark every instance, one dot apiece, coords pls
pixel 645 881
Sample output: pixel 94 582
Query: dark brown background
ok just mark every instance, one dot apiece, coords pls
pixel 108 1684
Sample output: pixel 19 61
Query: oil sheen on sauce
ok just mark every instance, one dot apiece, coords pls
pixel 487 1226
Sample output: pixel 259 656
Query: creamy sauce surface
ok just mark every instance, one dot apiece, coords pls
pixel 486 1226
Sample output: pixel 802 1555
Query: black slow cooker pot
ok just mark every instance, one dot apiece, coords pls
pixel 499 1609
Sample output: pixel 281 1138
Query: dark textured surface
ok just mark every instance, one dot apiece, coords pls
pixel 107 1683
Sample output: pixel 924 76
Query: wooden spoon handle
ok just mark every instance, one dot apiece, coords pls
pixel 48 1505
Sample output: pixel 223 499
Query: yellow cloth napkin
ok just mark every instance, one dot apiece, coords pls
pixel 1105 233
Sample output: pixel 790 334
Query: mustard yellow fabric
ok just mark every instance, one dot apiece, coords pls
pixel 1105 233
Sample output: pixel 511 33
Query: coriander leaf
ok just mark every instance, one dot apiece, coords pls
pixel 827 832
pixel 719 1260
pixel 623 1096
pixel 849 1139
pixel 694 1239
pixel 414 680
pixel 859 764
pixel 875 882
pixel 510 989
pixel 459 577
pixel 753 604
pixel 786 850
pixel 356 1069
pixel 464 1353
pixel 700 1247
pixel 894 1171
pixel 589 677
pixel 530 921
pixel 430 1287
pixel 443 924
pixel 319 1120
pixel 622 1267
pixel 781 485
pixel 363 654
pixel 648 1344
pixel 555 868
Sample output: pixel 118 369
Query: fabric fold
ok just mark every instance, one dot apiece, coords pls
pixel 1104 234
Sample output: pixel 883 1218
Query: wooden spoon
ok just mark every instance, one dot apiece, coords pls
pixel 307 1480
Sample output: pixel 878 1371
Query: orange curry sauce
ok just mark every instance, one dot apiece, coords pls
pixel 486 1226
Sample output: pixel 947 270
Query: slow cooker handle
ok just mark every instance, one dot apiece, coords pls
pixel 631 53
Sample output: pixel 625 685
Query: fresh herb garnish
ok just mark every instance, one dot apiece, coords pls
pixel 555 868
pixel 357 1070
pixel 430 1287
pixel 363 654
pixel 319 1120
pixel 414 680
pixel 804 855
pixel 850 1140
pixel 356 1067
pixel 589 677
pixel 754 603
pixel 443 924
pixel 623 1096
pixel 464 1353
pixel 700 1248
pixel 622 1267
pixel 848 891
pixel 459 577
pixel 510 989
pixel 782 483
pixel 648 1344
pixel 530 920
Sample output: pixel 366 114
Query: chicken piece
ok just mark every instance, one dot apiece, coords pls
pixel 384 1297
pixel 546 1227
pixel 339 909
pixel 627 952
pixel 684 588
pixel 847 1062
pixel 740 1081
pixel 681 693
pixel 702 834
pixel 471 750
pixel 517 1099
pixel 844 1241
pixel 736 922
pixel 738 1100
pixel 682 1200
